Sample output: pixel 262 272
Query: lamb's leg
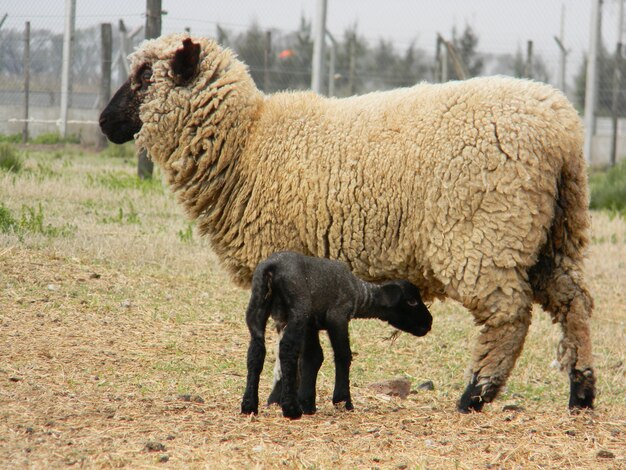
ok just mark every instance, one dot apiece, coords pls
pixel 505 318
pixel 340 341
pixel 565 295
pixel 310 363
pixel 289 353
pixel 256 319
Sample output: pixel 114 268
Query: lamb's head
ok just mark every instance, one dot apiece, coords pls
pixel 400 304
pixel 174 58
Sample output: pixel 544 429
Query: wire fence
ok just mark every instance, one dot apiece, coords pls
pixel 279 58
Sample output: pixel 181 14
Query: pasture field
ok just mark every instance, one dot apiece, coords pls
pixel 123 344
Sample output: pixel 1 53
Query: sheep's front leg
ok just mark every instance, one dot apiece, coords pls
pixel 289 353
pixel 310 363
pixel 340 341
pixel 499 345
pixel 256 319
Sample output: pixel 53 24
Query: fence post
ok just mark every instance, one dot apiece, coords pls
pixel 145 166
pixel 26 79
pixel 319 55
pixel 106 36
pixel 591 87
pixel 66 75
pixel 528 68
pixel 267 47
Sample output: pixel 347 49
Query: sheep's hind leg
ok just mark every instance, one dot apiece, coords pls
pixel 256 319
pixel 310 362
pixel 505 319
pixel 289 353
pixel 340 341
pixel 566 297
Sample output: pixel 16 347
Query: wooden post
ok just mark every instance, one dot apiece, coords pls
pixel 66 74
pixel 352 63
pixel 106 36
pixel 528 68
pixel 617 81
pixel 26 80
pixel 145 167
pixel 267 47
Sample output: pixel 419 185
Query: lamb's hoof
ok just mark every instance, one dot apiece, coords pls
pixel 249 407
pixel 308 407
pixel 344 405
pixel 582 389
pixel 292 410
pixel 471 400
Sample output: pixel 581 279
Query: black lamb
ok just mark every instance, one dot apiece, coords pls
pixel 303 295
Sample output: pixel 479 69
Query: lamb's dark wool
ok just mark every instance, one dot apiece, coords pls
pixel 305 295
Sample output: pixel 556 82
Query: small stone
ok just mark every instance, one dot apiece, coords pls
pixel 52 287
pixel 154 446
pixel 555 364
pixel 570 432
pixel 126 303
pixel 605 454
pixel 397 387
pixel 428 385
pixel 512 407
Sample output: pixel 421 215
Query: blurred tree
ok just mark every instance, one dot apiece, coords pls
pixel 250 47
pixel 515 66
pixel 466 47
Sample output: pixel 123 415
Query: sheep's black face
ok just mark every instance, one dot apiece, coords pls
pixel 406 310
pixel 120 119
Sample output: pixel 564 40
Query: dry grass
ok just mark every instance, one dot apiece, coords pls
pixel 111 328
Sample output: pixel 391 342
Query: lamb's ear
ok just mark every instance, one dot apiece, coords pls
pixel 389 295
pixel 185 62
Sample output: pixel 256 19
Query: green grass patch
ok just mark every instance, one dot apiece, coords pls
pixel 126 150
pixel 129 216
pixel 119 180
pixel 51 138
pixel 186 235
pixel 608 189
pixel 11 138
pixel 31 220
pixel 10 159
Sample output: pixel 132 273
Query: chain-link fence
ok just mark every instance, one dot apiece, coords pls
pixel 359 59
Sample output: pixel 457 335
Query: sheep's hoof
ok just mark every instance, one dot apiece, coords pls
pixel 248 407
pixel 582 389
pixel 292 410
pixel 471 400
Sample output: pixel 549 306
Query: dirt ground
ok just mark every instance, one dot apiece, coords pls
pixel 122 344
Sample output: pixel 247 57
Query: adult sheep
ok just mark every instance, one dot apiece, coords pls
pixel 472 190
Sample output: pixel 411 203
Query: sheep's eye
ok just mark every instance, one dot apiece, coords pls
pixel 146 76
pixel 412 303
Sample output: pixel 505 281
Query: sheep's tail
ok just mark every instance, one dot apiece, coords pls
pixel 258 311
pixel 568 236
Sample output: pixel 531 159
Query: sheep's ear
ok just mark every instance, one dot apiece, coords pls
pixel 389 295
pixel 185 62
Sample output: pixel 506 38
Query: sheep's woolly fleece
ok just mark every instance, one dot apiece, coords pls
pixel 475 190
pixel 404 183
